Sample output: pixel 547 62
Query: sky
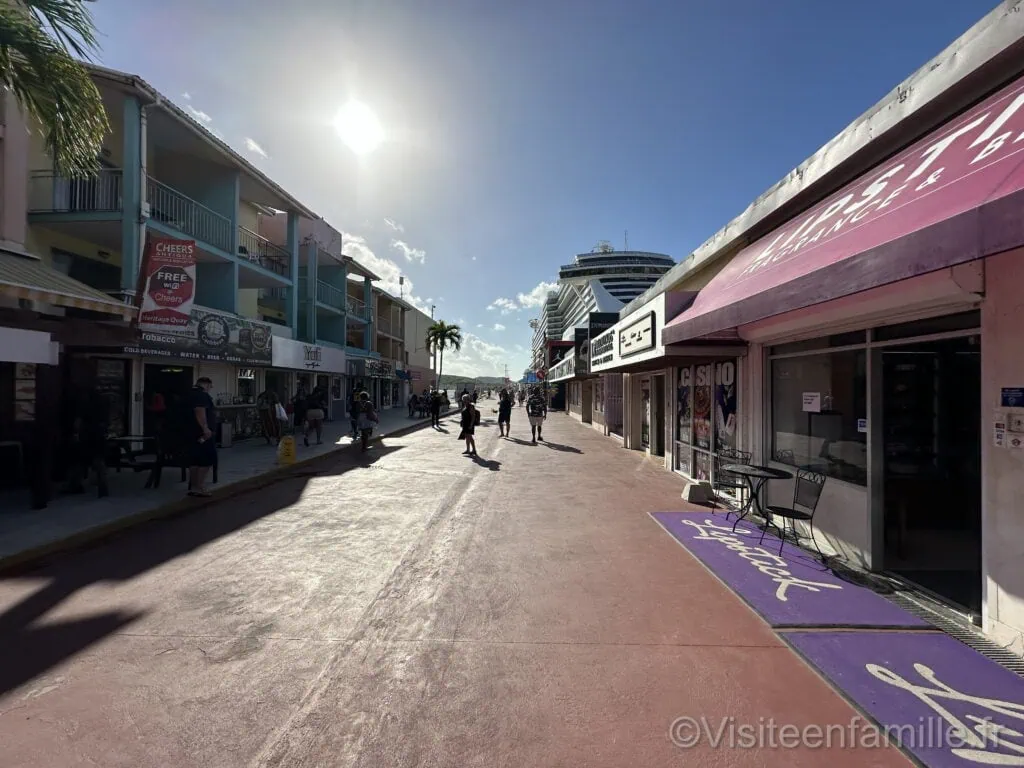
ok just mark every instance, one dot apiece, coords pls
pixel 518 134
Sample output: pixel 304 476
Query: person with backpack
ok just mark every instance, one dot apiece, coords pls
pixel 504 412
pixel 470 418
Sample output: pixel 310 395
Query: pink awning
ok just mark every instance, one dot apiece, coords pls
pixel 953 196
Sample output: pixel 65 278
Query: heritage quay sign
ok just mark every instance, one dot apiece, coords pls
pixel 602 349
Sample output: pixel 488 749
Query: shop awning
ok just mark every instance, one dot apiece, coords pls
pixel 25 277
pixel 954 196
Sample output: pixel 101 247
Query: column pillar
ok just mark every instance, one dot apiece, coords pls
pixel 133 226
pixel 312 275
pixel 293 270
pixel 370 313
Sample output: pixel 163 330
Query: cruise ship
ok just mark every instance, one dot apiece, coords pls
pixel 604 280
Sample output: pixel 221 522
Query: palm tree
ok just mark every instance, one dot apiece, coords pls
pixel 440 336
pixel 41 44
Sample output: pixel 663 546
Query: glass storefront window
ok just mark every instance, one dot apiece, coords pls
pixel 819 413
pixel 706 417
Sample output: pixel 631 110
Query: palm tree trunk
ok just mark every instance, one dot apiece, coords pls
pixel 440 367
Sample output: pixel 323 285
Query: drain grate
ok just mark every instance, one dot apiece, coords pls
pixel 959 629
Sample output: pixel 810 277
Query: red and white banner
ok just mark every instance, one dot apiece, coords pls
pixel 168 282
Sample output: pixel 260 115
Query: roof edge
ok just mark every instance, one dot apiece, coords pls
pixel 978 62
pixel 153 97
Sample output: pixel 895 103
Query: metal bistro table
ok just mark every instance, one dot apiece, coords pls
pixel 756 477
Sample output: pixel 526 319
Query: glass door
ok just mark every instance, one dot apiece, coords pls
pixel 706 417
pixel 645 413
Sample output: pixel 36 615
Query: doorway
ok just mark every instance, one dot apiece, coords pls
pixel 165 387
pixel 657 427
pixel 931 432
pixel 645 414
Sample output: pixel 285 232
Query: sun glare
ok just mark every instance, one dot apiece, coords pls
pixel 359 128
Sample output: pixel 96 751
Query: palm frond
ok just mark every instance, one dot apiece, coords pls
pixel 49 84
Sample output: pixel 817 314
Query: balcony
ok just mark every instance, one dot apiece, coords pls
pixel 384 325
pixel 49 192
pixel 171 209
pixel 357 308
pixel 258 250
pixel 330 296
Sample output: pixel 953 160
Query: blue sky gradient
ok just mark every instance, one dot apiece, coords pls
pixel 520 134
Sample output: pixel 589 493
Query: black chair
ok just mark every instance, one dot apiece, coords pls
pixel 726 481
pixel 806 494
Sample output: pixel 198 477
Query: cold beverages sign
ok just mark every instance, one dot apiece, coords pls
pixel 169 288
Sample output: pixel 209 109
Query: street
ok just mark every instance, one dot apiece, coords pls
pixel 413 607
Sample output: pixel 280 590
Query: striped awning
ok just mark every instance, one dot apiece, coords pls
pixel 26 277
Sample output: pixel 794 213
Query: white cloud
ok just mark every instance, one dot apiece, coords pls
pixel 410 253
pixel 394 225
pixel 537 296
pixel 473 258
pixel 186 96
pixel 388 271
pixel 499 327
pixel 479 325
pixel 199 115
pixel 256 149
pixel 476 358
pixel 505 305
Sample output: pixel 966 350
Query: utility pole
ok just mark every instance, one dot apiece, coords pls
pixel 433 354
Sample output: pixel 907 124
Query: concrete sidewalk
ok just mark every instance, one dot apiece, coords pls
pixel 73 520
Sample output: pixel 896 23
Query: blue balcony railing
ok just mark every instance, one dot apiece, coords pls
pixel 329 295
pixel 49 192
pixel 357 308
pixel 173 209
pixel 258 250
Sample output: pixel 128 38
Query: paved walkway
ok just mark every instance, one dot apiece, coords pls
pixel 23 529
pixel 408 608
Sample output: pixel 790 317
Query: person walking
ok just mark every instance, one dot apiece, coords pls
pixel 504 412
pixel 204 447
pixel 537 411
pixel 317 409
pixel 353 413
pixel 300 411
pixel 267 404
pixel 367 418
pixel 435 409
pixel 468 422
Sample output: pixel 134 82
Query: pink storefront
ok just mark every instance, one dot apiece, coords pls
pixel 886 352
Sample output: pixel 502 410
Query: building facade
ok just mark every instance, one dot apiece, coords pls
pixel 855 324
pixel 269 301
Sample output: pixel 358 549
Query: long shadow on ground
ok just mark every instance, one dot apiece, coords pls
pixel 30 648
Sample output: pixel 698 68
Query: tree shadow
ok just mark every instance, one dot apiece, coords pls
pixel 31 645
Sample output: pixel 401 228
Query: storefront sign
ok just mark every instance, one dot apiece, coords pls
pixel 638 336
pixel 725 406
pixel 209 336
pixel 299 356
pixel 602 349
pixel 379 369
pixel 963 166
pixel 313 356
pixel 168 283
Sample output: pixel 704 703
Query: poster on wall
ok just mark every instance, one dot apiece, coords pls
pixel 701 465
pixel 725 406
pixel 211 336
pixel 168 283
pixel 703 400
pixel 684 406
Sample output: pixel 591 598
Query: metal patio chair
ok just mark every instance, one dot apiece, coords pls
pixel 726 481
pixel 806 494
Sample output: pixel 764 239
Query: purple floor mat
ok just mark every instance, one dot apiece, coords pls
pixel 793 590
pixel 940 700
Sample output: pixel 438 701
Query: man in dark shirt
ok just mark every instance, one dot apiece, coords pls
pixel 536 411
pixel 203 446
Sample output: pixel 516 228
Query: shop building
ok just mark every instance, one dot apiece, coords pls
pixel 871 299
pixel 573 371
